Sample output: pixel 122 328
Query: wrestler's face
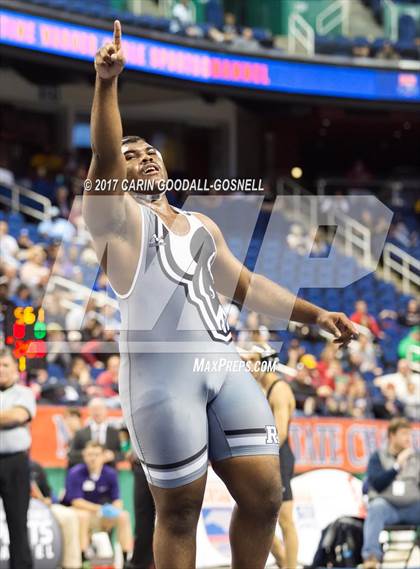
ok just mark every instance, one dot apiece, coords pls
pixel 144 162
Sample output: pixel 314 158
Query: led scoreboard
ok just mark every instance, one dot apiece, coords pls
pixel 211 67
pixel 28 335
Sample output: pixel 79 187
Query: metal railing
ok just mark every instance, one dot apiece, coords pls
pixel 406 266
pixel 332 17
pixel 356 238
pixel 300 33
pixel 12 197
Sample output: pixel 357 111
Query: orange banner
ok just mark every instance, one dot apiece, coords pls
pixel 317 442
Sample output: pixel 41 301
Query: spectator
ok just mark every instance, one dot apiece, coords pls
pixel 108 379
pixel 409 347
pixel 408 317
pixel 79 382
pixel 72 420
pixel 401 380
pixel 7 178
pixel 362 317
pixel 362 354
pixel 67 518
pixel 62 201
pixel 394 489
pixel 97 430
pixel 17 409
pixel 297 240
pixel 9 247
pixel 388 405
pixel 245 41
pixel 360 404
pixel 183 19
pixel 24 241
pixel 56 227
pixel 92 488
pixel 22 296
pixel 387 52
pixel 58 355
pixel 337 204
pixel 7 308
pixel 303 391
pixel 34 273
pixel 361 50
pixel 337 404
pixel 230 29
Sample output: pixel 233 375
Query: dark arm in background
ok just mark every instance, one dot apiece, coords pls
pixel 378 477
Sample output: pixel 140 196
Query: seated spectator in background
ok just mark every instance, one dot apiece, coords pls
pixel 338 404
pixel 394 489
pixel 400 232
pixel 245 41
pixel 79 382
pixel 183 19
pixel 388 405
pixel 328 355
pixel 59 355
pixel 361 50
pixel 61 201
pixel 294 352
pixel 22 296
pixel 298 240
pixel 387 52
pixel 338 203
pixel 67 518
pixel 34 272
pixel 7 308
pixel 48 389
pixel 72 421
pixel 56 227
pixel 412 403
pixel 409 347
pixel 24 241
pixel 97 430
pixel 7 178
pixel 360 404
pixel 362 317
pixel 304 391
pixel 401 380
pixel 362 353
pixel 92 489
pixel 230 29
pixel 9 247
pixel 409 317
pixel 107 381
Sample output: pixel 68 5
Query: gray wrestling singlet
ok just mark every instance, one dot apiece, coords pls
pixel 180 412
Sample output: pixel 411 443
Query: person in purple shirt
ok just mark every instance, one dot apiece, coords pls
pixel 92 489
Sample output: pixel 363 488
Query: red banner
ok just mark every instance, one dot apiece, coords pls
pixel 317 442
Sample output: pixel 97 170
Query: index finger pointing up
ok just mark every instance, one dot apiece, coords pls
pixel 117 34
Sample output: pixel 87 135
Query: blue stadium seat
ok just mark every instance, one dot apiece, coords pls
pixel 407 29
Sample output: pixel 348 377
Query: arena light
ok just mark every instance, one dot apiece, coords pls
pixel 296 172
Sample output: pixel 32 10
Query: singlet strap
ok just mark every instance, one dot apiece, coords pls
pixel 272 387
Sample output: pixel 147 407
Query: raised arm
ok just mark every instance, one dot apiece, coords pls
pixel 256 292
pixel 104 211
